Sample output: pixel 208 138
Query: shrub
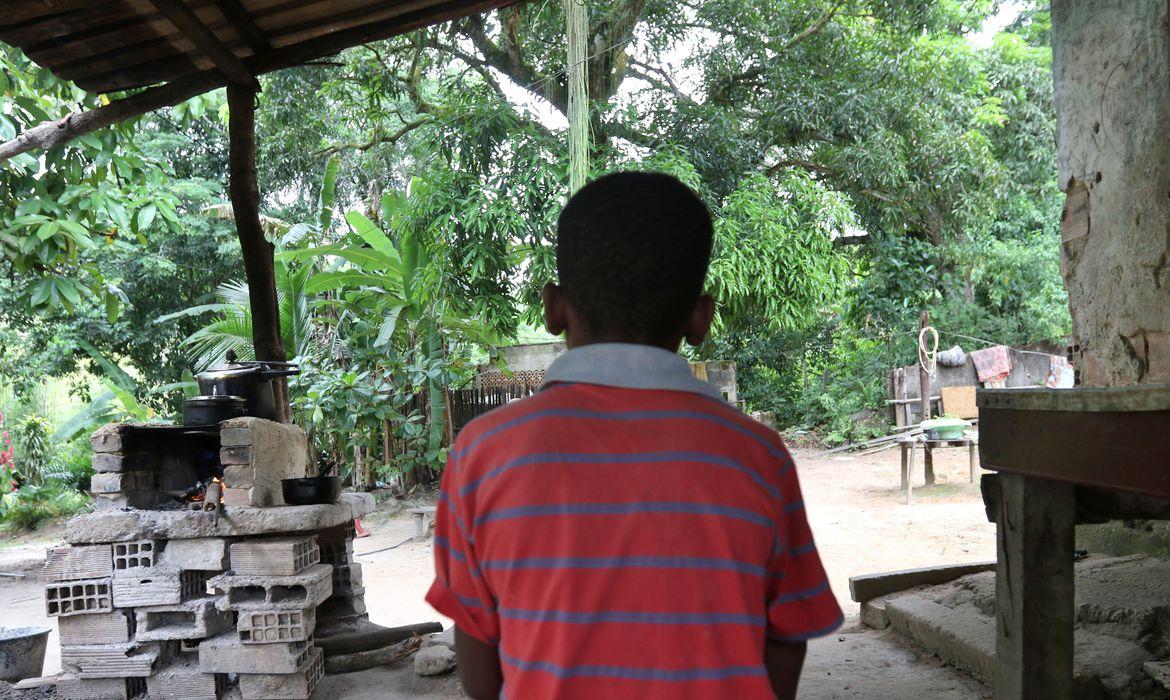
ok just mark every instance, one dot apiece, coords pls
pixel 34 449
pixel 28 507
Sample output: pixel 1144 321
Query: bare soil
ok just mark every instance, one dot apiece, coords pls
pixel 854 506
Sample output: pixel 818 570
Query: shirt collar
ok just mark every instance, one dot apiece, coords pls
pixel 628 366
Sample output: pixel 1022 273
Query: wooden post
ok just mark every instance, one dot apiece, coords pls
pixel 924 398
pixel 576 37
pixel 1034 588
pixel 257 251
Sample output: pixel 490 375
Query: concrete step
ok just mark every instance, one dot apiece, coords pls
pixel 1105 666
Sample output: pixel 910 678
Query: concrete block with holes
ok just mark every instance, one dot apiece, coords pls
pixel 203 554
pixel 76 563
pixel 269 626
pixel 71 687
pixel 78 597
pixel 111 660
pixel 307 589
pixel 114 627
pixel 298 685
pixel 274 556
pixel 154 588
pixel 130 558
pixel 183 679
pixel 225 653
pixel 195 619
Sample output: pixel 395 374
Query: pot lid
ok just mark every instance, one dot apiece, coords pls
pixel 230 370
pixel 214 399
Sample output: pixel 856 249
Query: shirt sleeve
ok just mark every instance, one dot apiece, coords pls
pixel 801 604
pixel 459 590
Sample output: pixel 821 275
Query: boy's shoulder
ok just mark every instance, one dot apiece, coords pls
pixel 581 400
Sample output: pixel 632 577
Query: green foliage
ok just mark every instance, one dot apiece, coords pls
pixel 30 506
pixel 33 448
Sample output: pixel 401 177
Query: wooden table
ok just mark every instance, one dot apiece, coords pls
pixel 1060 453
pixel 909 447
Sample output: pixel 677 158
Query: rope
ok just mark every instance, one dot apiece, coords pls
pixel 928 356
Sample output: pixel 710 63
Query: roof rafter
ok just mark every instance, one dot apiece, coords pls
pixel 193 28
pixel 244 25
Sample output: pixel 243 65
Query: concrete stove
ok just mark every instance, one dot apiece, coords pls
pixel 154 597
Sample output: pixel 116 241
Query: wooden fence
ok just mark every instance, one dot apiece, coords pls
pixel 468 404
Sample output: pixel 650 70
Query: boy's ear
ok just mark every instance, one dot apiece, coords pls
pixel 556 316
pixel 699 322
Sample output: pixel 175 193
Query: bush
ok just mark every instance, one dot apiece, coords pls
pixel 71 465
pixel 30 506
pixel 34 449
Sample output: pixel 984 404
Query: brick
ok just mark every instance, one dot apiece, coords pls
pixel 268 626
pixel 133 557
pixel 255 496
pixel 226 654
pixel 274 556
pixel 204 554
pixel 238 476
pixel 183 680
pixel 347 580
pixel 78 597
pixel 336 554
pixel 289 686
pixel 196 619
pixel 73 563
pixel 107 438
pixel 110 660
pixel 236 455
pixel 109 462
pixel 340 535
pixel 116 482
pixel 70 687
pixel 307 589
pixel 116 627
pixel 144 500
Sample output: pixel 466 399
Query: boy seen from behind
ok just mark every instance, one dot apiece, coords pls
pixel 624 533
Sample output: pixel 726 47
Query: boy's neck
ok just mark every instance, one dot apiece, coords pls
pixel 670 344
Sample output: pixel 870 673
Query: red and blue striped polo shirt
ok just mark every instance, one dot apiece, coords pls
pixel 625 533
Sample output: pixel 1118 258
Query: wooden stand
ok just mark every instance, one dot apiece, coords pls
pixel 909 447
pixel 1102 451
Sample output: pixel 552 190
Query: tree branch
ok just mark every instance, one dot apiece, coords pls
pixel 376 139
pixel 512 64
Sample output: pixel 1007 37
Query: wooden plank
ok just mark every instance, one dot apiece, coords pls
pixel 243 24
pixel 1125 451
pixel 959 401
pixel 1142 397
pixel 189 24
pixel 1034 589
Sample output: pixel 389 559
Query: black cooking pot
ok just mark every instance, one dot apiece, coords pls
pixel 250 380
pixel 212 410
pixel 311 490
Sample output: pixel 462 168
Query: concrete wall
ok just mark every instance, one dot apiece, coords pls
pixel 538 356
pixel 1112 77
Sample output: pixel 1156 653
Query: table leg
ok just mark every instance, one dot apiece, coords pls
pixel 971 462
pixel 1034 589
pixel 910 475
pixel 928 464
pixel 905 464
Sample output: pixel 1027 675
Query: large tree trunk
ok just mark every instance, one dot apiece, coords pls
pixel 257 251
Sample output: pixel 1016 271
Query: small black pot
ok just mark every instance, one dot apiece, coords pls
pixel 212 410
pixel 311 490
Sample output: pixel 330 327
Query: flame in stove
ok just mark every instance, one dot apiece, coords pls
pixel 198 492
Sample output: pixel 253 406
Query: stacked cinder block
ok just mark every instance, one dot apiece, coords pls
pixel 123 612
pixel 154 598
pixel 346 607
pixel 274 588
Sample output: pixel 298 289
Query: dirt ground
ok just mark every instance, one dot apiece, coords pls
pixel 856 513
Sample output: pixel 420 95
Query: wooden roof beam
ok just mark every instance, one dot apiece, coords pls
pixel 190 26
pixel 244 25
pixel 55 133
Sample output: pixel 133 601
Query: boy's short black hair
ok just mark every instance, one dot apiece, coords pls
pixel 632 254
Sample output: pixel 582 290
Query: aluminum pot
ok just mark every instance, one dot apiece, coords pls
pixel 250 380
